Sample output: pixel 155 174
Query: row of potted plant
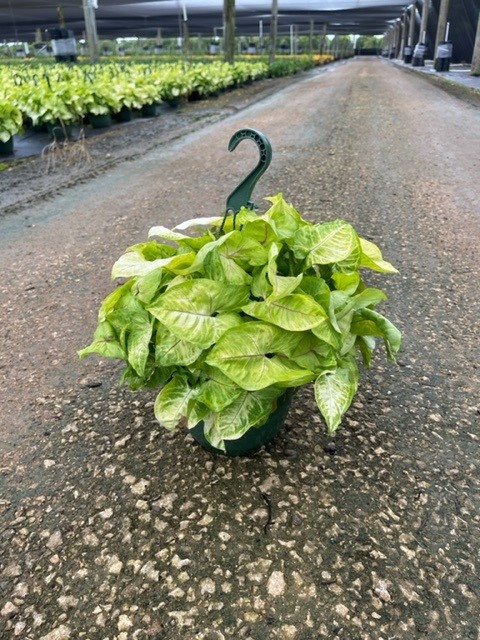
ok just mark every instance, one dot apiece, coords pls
pixel 36 95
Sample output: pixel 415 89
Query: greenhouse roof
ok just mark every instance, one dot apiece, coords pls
pixel 20 18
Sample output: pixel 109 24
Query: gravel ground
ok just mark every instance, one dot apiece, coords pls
pixel 113 529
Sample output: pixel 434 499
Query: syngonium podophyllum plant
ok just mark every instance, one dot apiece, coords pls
pixel 10 120
pixel 226 319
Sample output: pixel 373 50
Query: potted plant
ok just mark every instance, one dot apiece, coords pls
pixel 11 120
pixel 99 102
pixel 228 316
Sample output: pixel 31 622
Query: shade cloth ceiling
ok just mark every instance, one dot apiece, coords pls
pixel 20 18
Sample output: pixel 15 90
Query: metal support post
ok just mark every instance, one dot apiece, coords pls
pixel 475 69
pixel 273 31
pixel 91 29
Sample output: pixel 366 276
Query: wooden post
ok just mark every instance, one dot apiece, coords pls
pixel 229 35
pixel 442 24
pixel 273 31
pixel 91 30
pixel 475 69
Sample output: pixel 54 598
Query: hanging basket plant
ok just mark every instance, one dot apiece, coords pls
pixel 224 315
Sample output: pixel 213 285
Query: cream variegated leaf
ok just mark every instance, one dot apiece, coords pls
pixel 249 355
pixel 334 392
pixel 172 403
pixel 190 310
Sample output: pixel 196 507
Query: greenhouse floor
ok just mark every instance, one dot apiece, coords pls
pixel 33 143
pixel 112 528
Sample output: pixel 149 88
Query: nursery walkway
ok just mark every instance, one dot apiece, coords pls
pixel 112 528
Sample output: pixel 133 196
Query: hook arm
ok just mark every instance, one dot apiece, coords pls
pixel 241 195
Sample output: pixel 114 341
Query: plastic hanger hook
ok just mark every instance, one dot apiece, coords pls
pixel 241 195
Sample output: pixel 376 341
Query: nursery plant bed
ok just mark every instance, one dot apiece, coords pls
pixel 24 178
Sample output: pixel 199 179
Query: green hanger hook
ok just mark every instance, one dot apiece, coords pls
pixel 240 197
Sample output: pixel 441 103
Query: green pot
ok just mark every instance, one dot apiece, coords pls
pixel 174 103
pixel 6 148
pixel 124 115
pixel 100 121
pixel 59 131
pixel 150 110
pixel 254 438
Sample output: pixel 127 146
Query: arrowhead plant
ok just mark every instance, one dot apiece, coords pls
pixel 224 314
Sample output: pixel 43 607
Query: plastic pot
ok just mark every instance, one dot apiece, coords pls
pixel 6 148
pixel 100 121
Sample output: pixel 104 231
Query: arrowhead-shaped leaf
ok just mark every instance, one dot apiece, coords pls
pixel 172 350
pixel 248 410
pixel 371 323
pixel 218 391
pixel 105 343
pixel 295 312
pixel 172 403
pixel 334 392
pixel 247 355
pixel 190 309
pixel 371 257
pixel 284 218
pixel 327 243
pixel 141 259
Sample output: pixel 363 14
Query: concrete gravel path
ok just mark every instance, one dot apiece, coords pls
pixel 111 528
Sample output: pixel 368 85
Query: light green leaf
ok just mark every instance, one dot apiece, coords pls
pixel 190 309
pixel 146 287
pixel 368 297
pixel 366 345
pixel 371 257
pixel 248 354
pixel 261 288
pixel 317 288
pixel 172 350
pixel 217 266
pixel 284 219
pixel 113 299
pixel 172 403
pixel 244 250
pixel 259 230
pixel 327 243
pixel 181 239
pixel 347 282
pixel 138 341
pixel 334 392
pixel 295 312
pixel 218 391
pixel 105 343
pixel 313 354
pixel 167 234
pixel 133 326
pixel 282 285
pixel 246 411
pixel 142 258
pixel 371 323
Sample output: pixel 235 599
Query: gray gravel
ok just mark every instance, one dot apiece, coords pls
pixel 113 529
